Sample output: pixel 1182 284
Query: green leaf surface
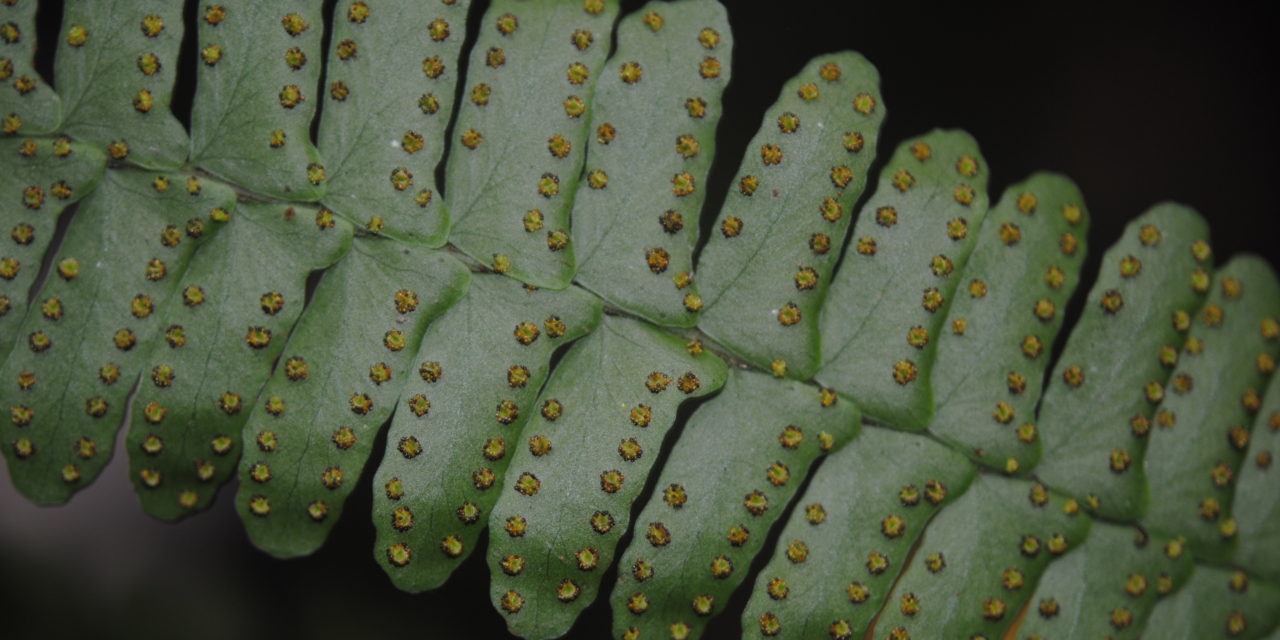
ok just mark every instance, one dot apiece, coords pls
pixel 1004 317
pixel 572 480
pixel 653 121
pixel 184 432
pixel 45 177
pixel 869 501
pixel 116 64
pixel 93 322
pixel 1096 412
pixel 767 266
pixel 383 126
pixel 1209 406
pixel 912 240
pixel 1257 500
pixel 343 368
pixel 511 183
pixel 739 463
pixel 476 383
pixel 28 105
pixel 1218 603
pixel 989 550
pixel 1108 587
pixel 256 92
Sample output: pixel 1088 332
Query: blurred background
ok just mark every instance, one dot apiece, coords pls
pixel 1169 105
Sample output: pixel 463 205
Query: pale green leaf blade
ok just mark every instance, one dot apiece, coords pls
pixel 654 118
pixel 44 178
pixel 528 82
pixel 767 267
pixel 926 212
pixel 739 462
pixel 560 515
pixel 1218 603
pixel 1258 492
pixel 1106 588
pixel 256 92
pixel 83 341
pixel 1210 403
pixel 1008 307
pixel 475 383
pixel 875 496
pixel 184 434
pixel 383 125
pixel 339 379
pixel 989 550
pixel 116 66
pixel 1096 412
pixel 28 105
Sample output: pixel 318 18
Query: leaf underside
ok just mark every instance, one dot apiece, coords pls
pixel 28 105
pixel 182 302
pixel 191 401
pixel 1210 403
pixel 528 82
pixel 903 480
pixel 1006 313
pixel 116 66
pixel 766 269
pixel 981 558
pixel 1257 499
pixel 256 94
pixel 472 384
pixel 1107 587
pixel 48 177
pixel 654 117
pixel 84 341
pixel 1217 603
pixel 572 480
pixel 741 459
pixel 382 130
pixel 1102 408
pixel 348 356
pixel 927 210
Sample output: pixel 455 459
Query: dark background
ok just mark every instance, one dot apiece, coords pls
pixel 1169 105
